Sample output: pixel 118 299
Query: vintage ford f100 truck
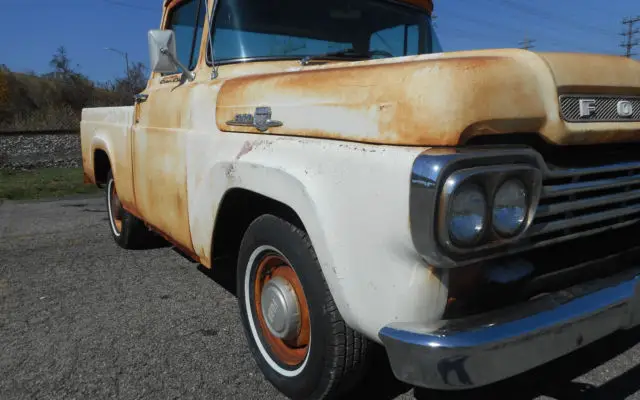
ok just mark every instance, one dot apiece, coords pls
pixel 474 213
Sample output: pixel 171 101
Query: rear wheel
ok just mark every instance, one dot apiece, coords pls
pixel 128 231
pixel 294 329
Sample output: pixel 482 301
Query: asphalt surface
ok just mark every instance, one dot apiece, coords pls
pixel 81 318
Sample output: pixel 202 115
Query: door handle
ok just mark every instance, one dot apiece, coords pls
pixel 140 98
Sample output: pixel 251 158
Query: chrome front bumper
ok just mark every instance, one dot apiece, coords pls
pixel 483 349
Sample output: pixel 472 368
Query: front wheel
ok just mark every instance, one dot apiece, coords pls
pixel 294 329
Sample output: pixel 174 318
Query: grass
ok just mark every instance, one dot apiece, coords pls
pixel 43 183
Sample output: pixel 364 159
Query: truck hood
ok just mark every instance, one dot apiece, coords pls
pixel 434 100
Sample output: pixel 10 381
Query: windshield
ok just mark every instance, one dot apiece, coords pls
pixel 285 29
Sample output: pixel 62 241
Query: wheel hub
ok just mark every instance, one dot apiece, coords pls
pixel 280 308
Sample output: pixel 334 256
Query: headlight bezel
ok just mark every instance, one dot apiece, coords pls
pixel 430 170
pixel 489 178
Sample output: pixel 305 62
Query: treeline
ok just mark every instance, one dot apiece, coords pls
pixel 54 100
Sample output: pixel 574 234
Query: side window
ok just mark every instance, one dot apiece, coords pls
pixel 187 21
pixel 401 40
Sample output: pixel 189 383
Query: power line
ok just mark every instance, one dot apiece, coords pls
pixel 128 5
pixel 527 43
pixel 501 27
pixel 630 41
pixel 528 9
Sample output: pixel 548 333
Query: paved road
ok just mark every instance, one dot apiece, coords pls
pixel 82 319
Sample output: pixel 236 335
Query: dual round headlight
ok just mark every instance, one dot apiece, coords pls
pixel 469 213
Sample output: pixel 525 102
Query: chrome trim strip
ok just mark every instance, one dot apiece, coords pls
pixel 548 227
pixel 571 172
pixel 559 208
pixel 581 187
pixel 456 354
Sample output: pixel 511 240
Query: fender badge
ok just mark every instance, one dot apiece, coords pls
pixel 261 120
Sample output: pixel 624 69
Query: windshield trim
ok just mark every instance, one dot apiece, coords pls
pixel 226 61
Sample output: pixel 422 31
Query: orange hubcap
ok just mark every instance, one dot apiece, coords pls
pixel 116 208
pixel 293 350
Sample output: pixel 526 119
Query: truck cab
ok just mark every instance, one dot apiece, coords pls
pixel 474 213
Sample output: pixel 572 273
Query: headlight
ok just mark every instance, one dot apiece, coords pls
pixel 467 214
pixel 510 207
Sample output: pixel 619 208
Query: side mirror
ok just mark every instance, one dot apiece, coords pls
pixel 162 52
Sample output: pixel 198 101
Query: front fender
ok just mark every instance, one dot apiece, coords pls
pixel 353 202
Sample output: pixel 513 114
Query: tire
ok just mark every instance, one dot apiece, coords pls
pixel 127 231
pixel 325 363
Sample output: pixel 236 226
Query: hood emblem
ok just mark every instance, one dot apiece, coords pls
pixel 600 108
pixel 261 119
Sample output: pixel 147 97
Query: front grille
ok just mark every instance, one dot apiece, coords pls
pixel 581 201
pixel 605 108
pixel 586 226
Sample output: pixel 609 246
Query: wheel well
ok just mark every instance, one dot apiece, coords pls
pixel 238 209
pixel 101 166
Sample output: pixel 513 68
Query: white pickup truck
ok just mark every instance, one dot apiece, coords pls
pixel 475 213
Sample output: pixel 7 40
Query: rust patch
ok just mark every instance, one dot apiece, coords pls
pixel 87 178
pixel 425 4
pixel 188 252
pixel 432 100
pixel 412 105
pixel 169 4
pixel 291 352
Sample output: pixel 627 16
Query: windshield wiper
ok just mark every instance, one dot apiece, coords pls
pixel 351 53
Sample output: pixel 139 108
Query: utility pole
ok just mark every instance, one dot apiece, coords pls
pixel 123 54
pixel 527 43
pixel 630 42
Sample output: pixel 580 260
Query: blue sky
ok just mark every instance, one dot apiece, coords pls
pixel 33 29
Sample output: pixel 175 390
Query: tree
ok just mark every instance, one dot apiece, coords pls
pixel 61 63
pixel 136 80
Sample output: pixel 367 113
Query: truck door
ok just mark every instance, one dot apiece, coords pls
pixel 160 130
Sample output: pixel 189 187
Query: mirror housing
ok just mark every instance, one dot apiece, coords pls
pixel 162 53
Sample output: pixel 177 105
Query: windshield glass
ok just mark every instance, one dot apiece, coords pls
pixel 277 29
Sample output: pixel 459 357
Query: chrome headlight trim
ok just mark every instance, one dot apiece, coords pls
pixel 430 171
pixel 490 179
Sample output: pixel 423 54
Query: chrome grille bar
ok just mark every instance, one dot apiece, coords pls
pixel 575 201
pixel 546 210
pixel 567 223
pixel 580 187
pixel 571 172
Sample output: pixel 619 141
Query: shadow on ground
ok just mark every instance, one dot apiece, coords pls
pixel 554 380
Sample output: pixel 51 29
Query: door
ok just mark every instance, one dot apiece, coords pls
pixel 160 131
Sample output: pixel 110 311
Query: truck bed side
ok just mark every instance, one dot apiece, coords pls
pixel 105 136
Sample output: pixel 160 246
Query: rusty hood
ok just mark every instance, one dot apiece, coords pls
pixel 437 99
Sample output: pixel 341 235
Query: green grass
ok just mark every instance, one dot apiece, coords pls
pixel 43 183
